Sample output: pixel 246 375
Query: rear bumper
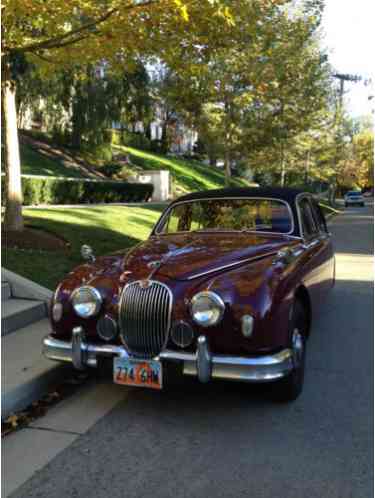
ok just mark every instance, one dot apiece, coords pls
pixel 202 364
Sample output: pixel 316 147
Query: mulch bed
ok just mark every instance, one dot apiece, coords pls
pixel 33 238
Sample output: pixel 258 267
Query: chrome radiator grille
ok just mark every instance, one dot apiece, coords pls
pixel 144 317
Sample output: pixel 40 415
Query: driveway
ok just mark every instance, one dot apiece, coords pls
pixel 230 440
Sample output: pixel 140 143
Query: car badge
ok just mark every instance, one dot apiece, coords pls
pixel 145 284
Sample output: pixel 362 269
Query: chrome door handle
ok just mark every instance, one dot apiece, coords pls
pixel 311 244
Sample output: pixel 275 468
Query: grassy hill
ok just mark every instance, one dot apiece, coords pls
pixel 34 162
pixel 186 175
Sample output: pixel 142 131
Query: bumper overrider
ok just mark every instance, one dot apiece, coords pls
pixel 202 364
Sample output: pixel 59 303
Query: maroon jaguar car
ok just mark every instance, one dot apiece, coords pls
pixel 225 287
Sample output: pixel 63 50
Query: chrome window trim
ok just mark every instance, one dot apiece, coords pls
pixel 298 199
pixel 169 311
pixel 161 221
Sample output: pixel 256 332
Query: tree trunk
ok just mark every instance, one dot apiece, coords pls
pixel 164 138
pixel 13 199
pixel 228 172
pixel 283 167
pixel 212 159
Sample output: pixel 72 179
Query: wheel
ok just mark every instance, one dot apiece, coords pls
pixel 290 387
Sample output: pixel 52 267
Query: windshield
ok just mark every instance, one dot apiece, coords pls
pixel 354 194
pixel 265 215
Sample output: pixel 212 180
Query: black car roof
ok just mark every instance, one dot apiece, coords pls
pixel 284 193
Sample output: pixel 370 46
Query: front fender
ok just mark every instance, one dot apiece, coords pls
pixel 264 290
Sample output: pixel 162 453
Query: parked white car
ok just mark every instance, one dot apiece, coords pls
pixel 354 198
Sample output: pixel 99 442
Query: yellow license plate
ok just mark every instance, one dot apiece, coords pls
pixel 137 372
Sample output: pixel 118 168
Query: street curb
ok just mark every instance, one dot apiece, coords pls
pixel 23 395
pixel 46 373
pixel 23 288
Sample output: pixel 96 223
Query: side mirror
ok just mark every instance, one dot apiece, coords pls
pixel 87 253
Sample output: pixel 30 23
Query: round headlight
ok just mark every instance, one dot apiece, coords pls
pixel 86 301
pixel 207 308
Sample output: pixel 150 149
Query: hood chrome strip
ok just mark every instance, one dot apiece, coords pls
pixel 230 265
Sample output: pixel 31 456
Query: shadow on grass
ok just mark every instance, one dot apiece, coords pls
pixel 46 267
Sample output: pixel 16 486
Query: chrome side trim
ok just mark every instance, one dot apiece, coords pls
pixel 311 244
pixel 230 265
pixel 160 223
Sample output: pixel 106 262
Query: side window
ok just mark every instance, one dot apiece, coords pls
pixel 319 216
pixel 309 226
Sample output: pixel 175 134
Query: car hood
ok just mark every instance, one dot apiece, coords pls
pixel 186 256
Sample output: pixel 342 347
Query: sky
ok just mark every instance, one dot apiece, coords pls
pixel 347 29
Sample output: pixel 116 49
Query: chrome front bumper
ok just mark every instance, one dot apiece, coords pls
pixel 202 364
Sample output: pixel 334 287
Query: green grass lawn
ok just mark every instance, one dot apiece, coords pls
pixel 106 229
pixel 187 175
pixel 35 163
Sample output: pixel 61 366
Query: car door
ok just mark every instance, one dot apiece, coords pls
pixel 325 254
pixel 315 251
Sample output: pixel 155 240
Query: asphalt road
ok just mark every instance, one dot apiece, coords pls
pixel 231 440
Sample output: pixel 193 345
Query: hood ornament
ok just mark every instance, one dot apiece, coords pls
pixel 145 284
pixel 87 253
pixel 154 265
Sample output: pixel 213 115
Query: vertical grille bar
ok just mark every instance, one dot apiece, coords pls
pixel 144 317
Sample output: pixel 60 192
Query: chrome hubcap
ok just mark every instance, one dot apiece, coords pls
pixel 297 348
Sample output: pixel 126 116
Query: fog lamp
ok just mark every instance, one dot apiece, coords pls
pixel 247 326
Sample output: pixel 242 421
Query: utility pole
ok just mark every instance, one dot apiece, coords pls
pixel 343 78
pixel 338 113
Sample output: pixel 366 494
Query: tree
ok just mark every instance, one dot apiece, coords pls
pixel 66 32
pixel 261 90
pixel 363 144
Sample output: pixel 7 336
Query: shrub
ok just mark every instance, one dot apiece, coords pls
pixel 136 140
pixel 103 152
pixel 158 146
pixel 116 137
pixel 111 169
pixel 50 190
pixel 60 137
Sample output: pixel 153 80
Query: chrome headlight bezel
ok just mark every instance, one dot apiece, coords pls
pixel 92 307
pixel 57 311
pixel 217 303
